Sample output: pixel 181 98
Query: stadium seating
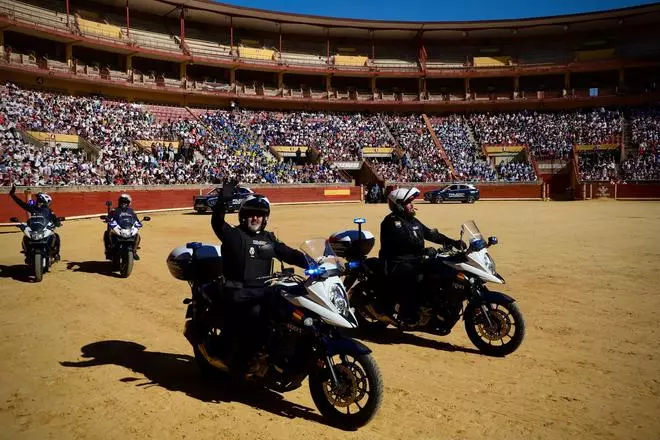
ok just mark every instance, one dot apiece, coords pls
pixel 88 27
pixel 48 15
pixel 350 61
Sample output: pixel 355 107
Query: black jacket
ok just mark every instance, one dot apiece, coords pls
pixel 243 259
pixel 402 239
pixel 43 211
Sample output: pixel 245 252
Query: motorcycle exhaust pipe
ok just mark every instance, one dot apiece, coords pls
pixel 217 363
pixel 375 315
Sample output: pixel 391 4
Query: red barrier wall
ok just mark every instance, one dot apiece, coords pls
pixel 594 190
pixel 77 201
pixel 638 191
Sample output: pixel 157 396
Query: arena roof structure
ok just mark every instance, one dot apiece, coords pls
pixel 207 11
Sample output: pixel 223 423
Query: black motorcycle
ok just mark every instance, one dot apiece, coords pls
pixel 454 283
pixel 302 338
pixel 39 234
pixel 123 237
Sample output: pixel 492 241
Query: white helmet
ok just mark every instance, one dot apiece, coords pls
pixel 400 197
pixel 125 198
pixel 44 198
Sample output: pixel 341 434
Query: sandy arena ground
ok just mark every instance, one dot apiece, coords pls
pixel 585 275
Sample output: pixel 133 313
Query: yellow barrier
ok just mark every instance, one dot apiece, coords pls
pixel 146 144
pixel 372 150
pixel 503 148
pixel 596 147
pixel 336 192
pixel 590 55
pixel 54 137
pixel 492 61
pixel 345 60
pixel 95 28
pixel 289 149
pixel 257 54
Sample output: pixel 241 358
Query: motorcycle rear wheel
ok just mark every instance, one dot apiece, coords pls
pixel 359 377
pixel 505 334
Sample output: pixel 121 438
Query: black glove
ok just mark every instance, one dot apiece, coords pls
pixel 459 244
pixel 12 191
pixel 228 189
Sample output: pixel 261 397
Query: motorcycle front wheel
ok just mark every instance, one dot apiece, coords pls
pixel 38 266
pixel 496 329
pixel 125 264
pixel 356 397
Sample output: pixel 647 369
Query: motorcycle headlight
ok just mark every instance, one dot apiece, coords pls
pixel 490 264
pixel 125 233
pixel 338 299
pixel 37 235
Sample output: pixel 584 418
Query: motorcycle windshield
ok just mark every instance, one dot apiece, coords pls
pixel 125 222
pixel 470 233
pixel 37 223
pixel 318 251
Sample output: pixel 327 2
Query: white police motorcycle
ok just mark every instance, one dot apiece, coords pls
pixel 39 233
pixel 303 338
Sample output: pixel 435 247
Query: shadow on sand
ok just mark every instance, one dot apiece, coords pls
pixel 97 267
pixel 395 336
pixel 178 372
pixel 18 272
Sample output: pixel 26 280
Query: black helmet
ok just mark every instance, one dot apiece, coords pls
pixel 254 204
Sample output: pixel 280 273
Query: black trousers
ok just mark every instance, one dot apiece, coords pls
pixel 405 279
pixel 245 316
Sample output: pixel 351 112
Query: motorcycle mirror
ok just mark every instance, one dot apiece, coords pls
pixel 492 241
pixel 103 217
pixel 108 203
pixel 359 220
pixel 14 220
pixel 61 218
pixel 146 219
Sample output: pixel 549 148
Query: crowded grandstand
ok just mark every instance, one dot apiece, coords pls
pixel 64 133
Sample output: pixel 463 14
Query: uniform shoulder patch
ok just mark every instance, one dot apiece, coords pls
pixel 397 223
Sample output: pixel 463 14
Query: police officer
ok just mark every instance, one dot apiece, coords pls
pixel 402 248
pixel 247 255
pixel 123 211
pixel 41 208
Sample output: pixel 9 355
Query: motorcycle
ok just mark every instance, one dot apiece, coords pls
pixel 39 233
pixel 303 338
pixel 123 236
pixel 455 286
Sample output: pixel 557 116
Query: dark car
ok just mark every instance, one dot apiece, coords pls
pixel 205 202
pixel 457 192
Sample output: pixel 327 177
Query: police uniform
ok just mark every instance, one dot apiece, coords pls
pixel 117 214
pixel 247 259
pixel 402 248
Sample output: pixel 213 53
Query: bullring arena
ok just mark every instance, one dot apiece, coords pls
pixel 87 355
pixel 554 120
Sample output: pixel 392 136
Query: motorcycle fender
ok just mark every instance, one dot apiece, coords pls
pixel 346 346
pixel 490 296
